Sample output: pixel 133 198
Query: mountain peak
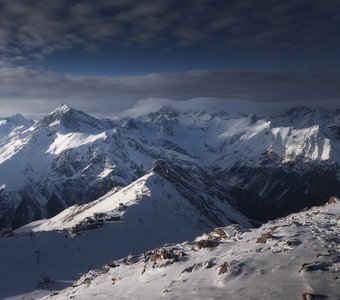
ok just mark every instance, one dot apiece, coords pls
pixel 67 118
pixel 16 123
pixel 167 111
pixel 61 109
pixel 18 119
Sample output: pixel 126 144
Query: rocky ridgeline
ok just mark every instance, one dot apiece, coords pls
pixel 300 251
pixel 263 166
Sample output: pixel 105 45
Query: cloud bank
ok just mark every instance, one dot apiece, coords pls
pixel 35 93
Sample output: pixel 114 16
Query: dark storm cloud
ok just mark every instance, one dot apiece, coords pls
pixel 35 28
pixel 39 92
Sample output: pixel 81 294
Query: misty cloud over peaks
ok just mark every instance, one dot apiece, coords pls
pixel 36 93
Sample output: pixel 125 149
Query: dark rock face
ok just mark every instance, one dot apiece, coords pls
pixel 200 187
pixel 284 190
pixel 251 205
pixel 27 210
pixel 54 205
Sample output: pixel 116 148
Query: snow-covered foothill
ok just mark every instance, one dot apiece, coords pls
pixel 53 253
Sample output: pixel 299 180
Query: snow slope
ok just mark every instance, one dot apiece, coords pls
pixel 296 257
pixel 154 213
pixel 149 199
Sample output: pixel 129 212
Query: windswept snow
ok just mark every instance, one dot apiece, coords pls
pixel 63 142
pixel 296 257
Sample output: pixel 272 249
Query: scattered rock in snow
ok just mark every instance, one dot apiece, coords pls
pixel 218 234
pixel 188 269
pixel 112 264
pixel 161 253
pixel 223 268
pixel 87 280
pixel 221 232
pixel 331 200
pixel 268 235
pixel 207 244
pixel 309 296
pixel 264 237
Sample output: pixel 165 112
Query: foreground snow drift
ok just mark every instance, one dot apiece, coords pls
pixel 297 257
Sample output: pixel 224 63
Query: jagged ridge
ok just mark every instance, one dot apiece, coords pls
pixel 264 166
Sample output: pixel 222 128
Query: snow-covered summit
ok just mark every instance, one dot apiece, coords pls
pixel 15 124
pixel 67 119
pixel 17 119
pixel 61 109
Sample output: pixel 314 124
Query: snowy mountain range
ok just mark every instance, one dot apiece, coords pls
pixel 262 166
pixel 167 204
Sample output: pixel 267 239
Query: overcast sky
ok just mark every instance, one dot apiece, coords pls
pixel 109 56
